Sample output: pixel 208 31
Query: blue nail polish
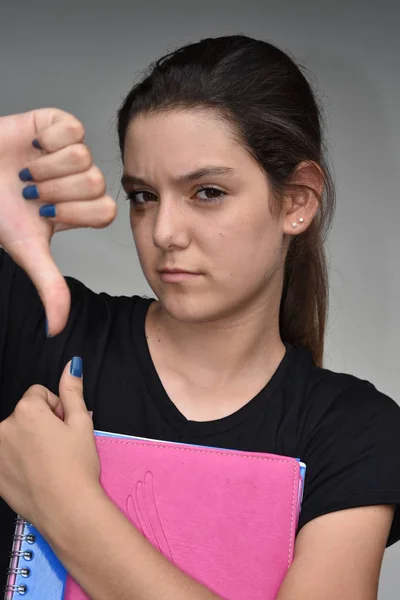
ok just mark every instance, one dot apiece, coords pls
pixel 76 367
pixel 30 192
pixel 36 144
pixel 25 175
pixel 46 324
pixel 47 210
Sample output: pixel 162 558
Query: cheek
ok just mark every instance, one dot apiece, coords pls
pixel 141 226
pixel 142 236
pixel 246 253
pixel 244 242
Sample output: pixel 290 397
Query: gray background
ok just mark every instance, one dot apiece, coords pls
pixel 83 57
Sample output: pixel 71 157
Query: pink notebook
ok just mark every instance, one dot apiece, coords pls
pixel 225 517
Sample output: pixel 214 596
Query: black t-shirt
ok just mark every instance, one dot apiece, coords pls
pixel 346 431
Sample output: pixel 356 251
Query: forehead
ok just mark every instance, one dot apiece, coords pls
pixel 181 138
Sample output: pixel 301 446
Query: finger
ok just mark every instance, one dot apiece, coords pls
pixel 67 161
pixel 97 213
pixel 41 392
pixel 57 129
pixel 33 255
pixel 55 404
pixel 58 410
pixel 81 186
pixel 71 390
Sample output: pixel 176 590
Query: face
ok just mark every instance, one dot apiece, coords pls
pixel 207 242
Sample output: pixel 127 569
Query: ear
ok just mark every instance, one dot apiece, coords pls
pixel 302 199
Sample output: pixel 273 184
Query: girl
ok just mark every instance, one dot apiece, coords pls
pixel 230 199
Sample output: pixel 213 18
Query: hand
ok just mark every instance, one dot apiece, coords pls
pixel 65 177
pixel 44 460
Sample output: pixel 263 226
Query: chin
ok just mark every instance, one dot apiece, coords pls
pixel 190 307
pixel 187 310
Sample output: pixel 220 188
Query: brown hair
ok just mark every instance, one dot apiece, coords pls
pixel 264 94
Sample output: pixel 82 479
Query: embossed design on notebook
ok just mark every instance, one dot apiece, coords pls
pixel 142 509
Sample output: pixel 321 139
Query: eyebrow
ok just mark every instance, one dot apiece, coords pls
pixel 200 173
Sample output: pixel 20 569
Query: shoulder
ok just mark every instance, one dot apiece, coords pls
pixel 18 294
pixel 98 327
pixel 99 306
pixel 99 322
pixel 348 434
pixel 340 412
pixel 330 394
pixel 81 292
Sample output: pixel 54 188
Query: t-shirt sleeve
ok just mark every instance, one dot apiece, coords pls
pixel 352 453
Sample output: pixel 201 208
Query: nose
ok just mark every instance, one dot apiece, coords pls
pixel 171 230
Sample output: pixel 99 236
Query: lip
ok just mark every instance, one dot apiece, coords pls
pixel 177 275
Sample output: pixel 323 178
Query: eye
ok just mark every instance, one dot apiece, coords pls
pixel 210 194
pixel 141 197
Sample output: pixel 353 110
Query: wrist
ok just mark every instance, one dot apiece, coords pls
pixel 63 520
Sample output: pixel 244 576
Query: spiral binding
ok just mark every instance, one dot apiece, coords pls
pixel 16 554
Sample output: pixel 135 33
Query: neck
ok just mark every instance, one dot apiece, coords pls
pixel 220 352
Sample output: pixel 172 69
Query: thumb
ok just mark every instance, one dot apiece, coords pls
pixel 71 389
pixel 34 257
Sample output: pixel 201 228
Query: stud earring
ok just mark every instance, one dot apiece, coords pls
pixel 294 224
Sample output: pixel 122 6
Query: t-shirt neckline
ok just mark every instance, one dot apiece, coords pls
pixel 169 410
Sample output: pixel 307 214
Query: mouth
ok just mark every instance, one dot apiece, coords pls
pixel 177 275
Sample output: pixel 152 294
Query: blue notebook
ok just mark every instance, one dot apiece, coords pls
pixel 36 572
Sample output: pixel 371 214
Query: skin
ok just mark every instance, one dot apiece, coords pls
pixel 232 240
pixel 221 326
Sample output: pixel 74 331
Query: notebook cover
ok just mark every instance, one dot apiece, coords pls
pixel 225 517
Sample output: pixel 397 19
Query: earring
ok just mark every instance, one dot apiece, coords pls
pixel 294 224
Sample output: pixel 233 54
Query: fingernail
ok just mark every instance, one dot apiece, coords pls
pixel 46 324
pixel 25 175
pixel 76 367
pixel 47 210
pixel 36 144
pixel 30 192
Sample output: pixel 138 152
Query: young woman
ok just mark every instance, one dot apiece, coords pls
pixel 230 201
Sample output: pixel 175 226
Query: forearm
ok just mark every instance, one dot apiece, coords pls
pixel 110 558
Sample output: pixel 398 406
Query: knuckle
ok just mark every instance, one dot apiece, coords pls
pixel 76 129
pixel 21 407
pixel 95 180
pixel 108 211
pixel 80 155
pixel 71 389
pixel 38 171
pixel 35 390
pixel 49 189
pixel 24 406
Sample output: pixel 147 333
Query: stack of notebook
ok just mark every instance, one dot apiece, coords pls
pixel 225 517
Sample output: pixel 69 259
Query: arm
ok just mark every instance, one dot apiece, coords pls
pixel 110 558
pixel 54 169
pixel 339 555
pixel 49 473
